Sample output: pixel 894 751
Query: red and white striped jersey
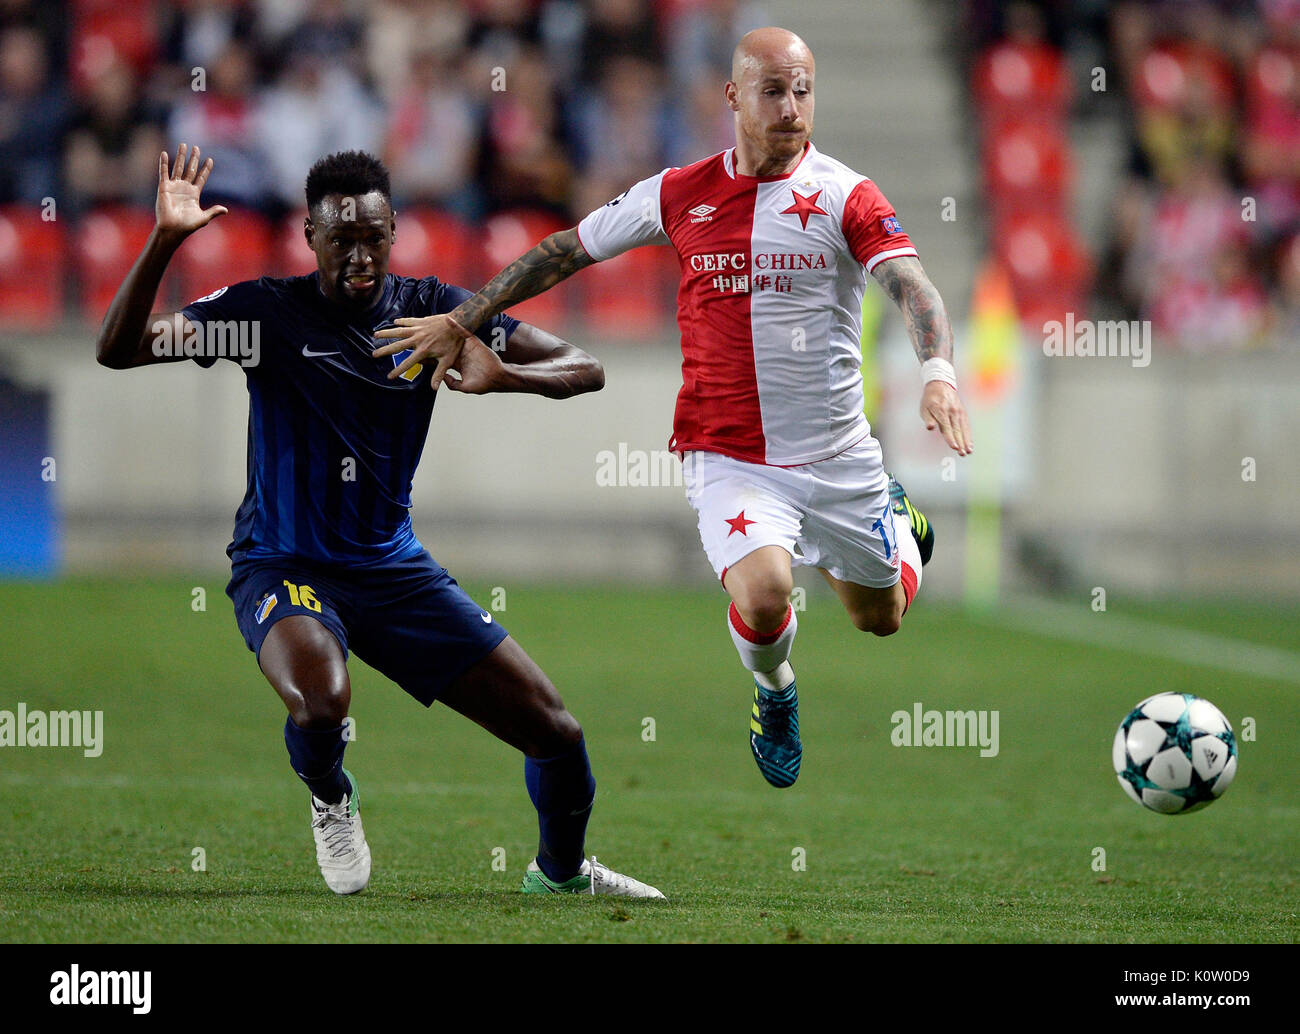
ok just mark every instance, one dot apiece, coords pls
pixel 770 302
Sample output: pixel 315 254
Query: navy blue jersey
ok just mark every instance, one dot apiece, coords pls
pixel 332 443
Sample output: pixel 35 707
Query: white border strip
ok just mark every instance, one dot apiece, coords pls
pixel 1077 623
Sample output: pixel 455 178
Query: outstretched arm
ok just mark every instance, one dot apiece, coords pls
pixel 441 338
pixel 128 333
pixel 556 258
pixel 534 362
pixel 927 324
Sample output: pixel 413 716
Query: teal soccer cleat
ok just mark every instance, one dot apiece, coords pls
pixel 774 735
pixel 921 529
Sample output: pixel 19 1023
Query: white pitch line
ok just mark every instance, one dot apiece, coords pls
pixel 1078 623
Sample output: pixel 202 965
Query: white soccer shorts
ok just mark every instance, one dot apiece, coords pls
pixel 833 514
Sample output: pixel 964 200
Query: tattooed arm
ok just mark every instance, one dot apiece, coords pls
pixel 927 325
pixel 441 338
pixel 923 313
pixel 556 258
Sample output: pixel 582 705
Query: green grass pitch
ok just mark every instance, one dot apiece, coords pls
pixel 874 843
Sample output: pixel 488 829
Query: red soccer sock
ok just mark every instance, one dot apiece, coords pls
pixel 909 580
pixel 762 651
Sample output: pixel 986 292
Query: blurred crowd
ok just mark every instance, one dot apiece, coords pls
pixel 1208 223
pixel 553 106
pixel 477 106
pixel 1205 238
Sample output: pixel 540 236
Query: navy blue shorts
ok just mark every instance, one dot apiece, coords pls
pixel 408 620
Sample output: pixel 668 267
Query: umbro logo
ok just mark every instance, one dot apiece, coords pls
pixel 702 213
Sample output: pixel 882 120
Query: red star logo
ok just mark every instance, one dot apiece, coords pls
pixel 738 524
pixel 803 207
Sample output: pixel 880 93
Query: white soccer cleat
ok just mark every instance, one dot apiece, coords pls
pixel 605 880
pixel 592 878
pixel 341 848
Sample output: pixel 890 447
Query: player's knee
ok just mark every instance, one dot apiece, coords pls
pixel 763 607
pixel 559 732
pixel 566 730
pixel 889 623
pixel 881 621
pixel 323 707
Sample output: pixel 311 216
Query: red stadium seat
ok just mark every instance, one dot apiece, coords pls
pixel 1014 80
pixel 106 244
pixel 1048 266
pixel 1027 165
pixel 625 297
pixel 508 235
pixel 31 269
pixel 1272 81
pixel 108 31
pixel 232 248
pixel 433 243
pixel 1165 77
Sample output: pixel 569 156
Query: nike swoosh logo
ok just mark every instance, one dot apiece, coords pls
pixel 487 618
pixel 306 350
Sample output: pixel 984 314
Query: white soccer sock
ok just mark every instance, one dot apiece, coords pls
pixel 776 680
pixel 909 553
pixel 763 651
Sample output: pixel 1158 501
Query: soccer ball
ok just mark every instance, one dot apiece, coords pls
pixel 1175 753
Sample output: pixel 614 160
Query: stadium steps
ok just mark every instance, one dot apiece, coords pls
pixel 892 106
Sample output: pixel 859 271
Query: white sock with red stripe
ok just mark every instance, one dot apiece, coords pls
pixel 764 652
pixel 909 555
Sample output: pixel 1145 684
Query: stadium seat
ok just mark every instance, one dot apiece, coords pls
pixel 107 31
pixel 230 249
pixel 106 244
pixel 1272 81
pixel 1013 80
pixel 506 236
pixel 1048 266
pixel 1165 74
pixel 433 243
pixel 31 269
pixel 624 299
pixel 1027 165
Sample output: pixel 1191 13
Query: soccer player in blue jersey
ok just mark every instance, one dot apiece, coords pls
pixel 324 560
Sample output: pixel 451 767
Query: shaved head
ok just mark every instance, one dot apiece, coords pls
pixel 769 46
pixel 771 96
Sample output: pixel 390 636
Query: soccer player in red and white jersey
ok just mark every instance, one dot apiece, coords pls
pixel 775 241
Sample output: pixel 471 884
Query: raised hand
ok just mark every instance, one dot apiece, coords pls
pixel 941 407
pixel 177 209
pixel 438 339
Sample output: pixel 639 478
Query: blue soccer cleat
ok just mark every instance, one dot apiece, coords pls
pixel 774 734
pixel 921 530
